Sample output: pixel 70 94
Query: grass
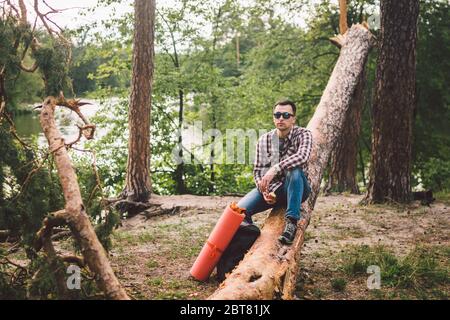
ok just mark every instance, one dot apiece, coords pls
pixel 350 232
pixel 163 289
pixel 308 236
pixel 338 284
pixel 443 196
pixel 424 272
pixel 152 264
pixel 127 238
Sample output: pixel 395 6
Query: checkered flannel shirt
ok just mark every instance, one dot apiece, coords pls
pixel 296 152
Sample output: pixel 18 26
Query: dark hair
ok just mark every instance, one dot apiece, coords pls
pixel 286 103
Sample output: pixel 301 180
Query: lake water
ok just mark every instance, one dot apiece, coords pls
pixel 28 126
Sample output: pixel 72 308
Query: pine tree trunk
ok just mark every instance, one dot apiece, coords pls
pixel 269 269
pixel 342 176
pixel 138 186
pixel 390 171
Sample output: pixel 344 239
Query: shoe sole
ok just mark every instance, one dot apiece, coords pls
pixel 284 240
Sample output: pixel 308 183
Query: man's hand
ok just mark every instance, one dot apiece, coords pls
pixel 265 181
pixel 269 197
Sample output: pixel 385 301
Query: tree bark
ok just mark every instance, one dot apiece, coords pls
pixel 344 163
pixel 269 269
pixel 138 185
pixel 179 171
pixel 394 101
pixel 74 213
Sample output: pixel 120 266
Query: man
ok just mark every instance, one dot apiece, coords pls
pixel 281 157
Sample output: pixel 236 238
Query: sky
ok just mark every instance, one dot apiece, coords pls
pixel 71 17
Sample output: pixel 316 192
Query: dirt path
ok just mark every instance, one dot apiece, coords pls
pixel 152 257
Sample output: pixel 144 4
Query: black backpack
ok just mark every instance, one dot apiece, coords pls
pixel 236 250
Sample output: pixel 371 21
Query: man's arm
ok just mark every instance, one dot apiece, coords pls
pixel 302 155
pixel 259 164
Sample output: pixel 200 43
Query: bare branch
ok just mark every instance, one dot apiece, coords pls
pixel 11 6
pixel 43 19
pixel 343 26
pixel 73 104
pixel 53 220
pixel 23 11
pixel 74 259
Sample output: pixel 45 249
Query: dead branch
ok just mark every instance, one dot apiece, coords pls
pixel 157 210
pixel 23 13
pixel 343 26
pixel 75 213
pixel 79 261
pixel 12 7
pixel 98 184
pixel 52 220
pixel 55 264
pixel 132 207
pixel 50 31
pixel 43 17
pixel 61 235
pixel 74 105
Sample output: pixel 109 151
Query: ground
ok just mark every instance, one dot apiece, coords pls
pixel 411 244
pixel 152 255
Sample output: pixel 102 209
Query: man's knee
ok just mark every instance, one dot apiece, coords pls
pixel 294 173
pixel 249 200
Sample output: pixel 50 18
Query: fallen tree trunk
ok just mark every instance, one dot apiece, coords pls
pixel 269 269
pixel 74 213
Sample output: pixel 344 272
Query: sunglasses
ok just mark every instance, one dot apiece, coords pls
pixel 286 115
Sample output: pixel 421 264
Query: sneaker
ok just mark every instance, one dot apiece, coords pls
pixel 247 221
pixel 288 235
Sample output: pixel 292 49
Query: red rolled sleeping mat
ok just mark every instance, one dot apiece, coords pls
pixel 217 242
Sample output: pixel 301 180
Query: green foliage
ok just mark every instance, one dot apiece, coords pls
pixel 104 219
pixel 8 290
pixel 338 284
pixel 277 60
pixel 25 206
pixel 19 87
pixel 431 129
pixel 435 174
pixel 52 61
pixel 29 184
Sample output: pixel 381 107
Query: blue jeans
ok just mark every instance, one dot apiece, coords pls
pixel 291 194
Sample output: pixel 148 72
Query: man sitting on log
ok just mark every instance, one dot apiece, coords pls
pixel 280 160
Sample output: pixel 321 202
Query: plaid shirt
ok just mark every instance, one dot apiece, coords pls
pixel 296 152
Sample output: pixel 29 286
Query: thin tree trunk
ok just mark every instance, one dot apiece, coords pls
pixel 390 170
pixel 74 213
pixel 270 269
pixel 363 167
pixel 238 51
pixel 179 171
pixel 138 185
